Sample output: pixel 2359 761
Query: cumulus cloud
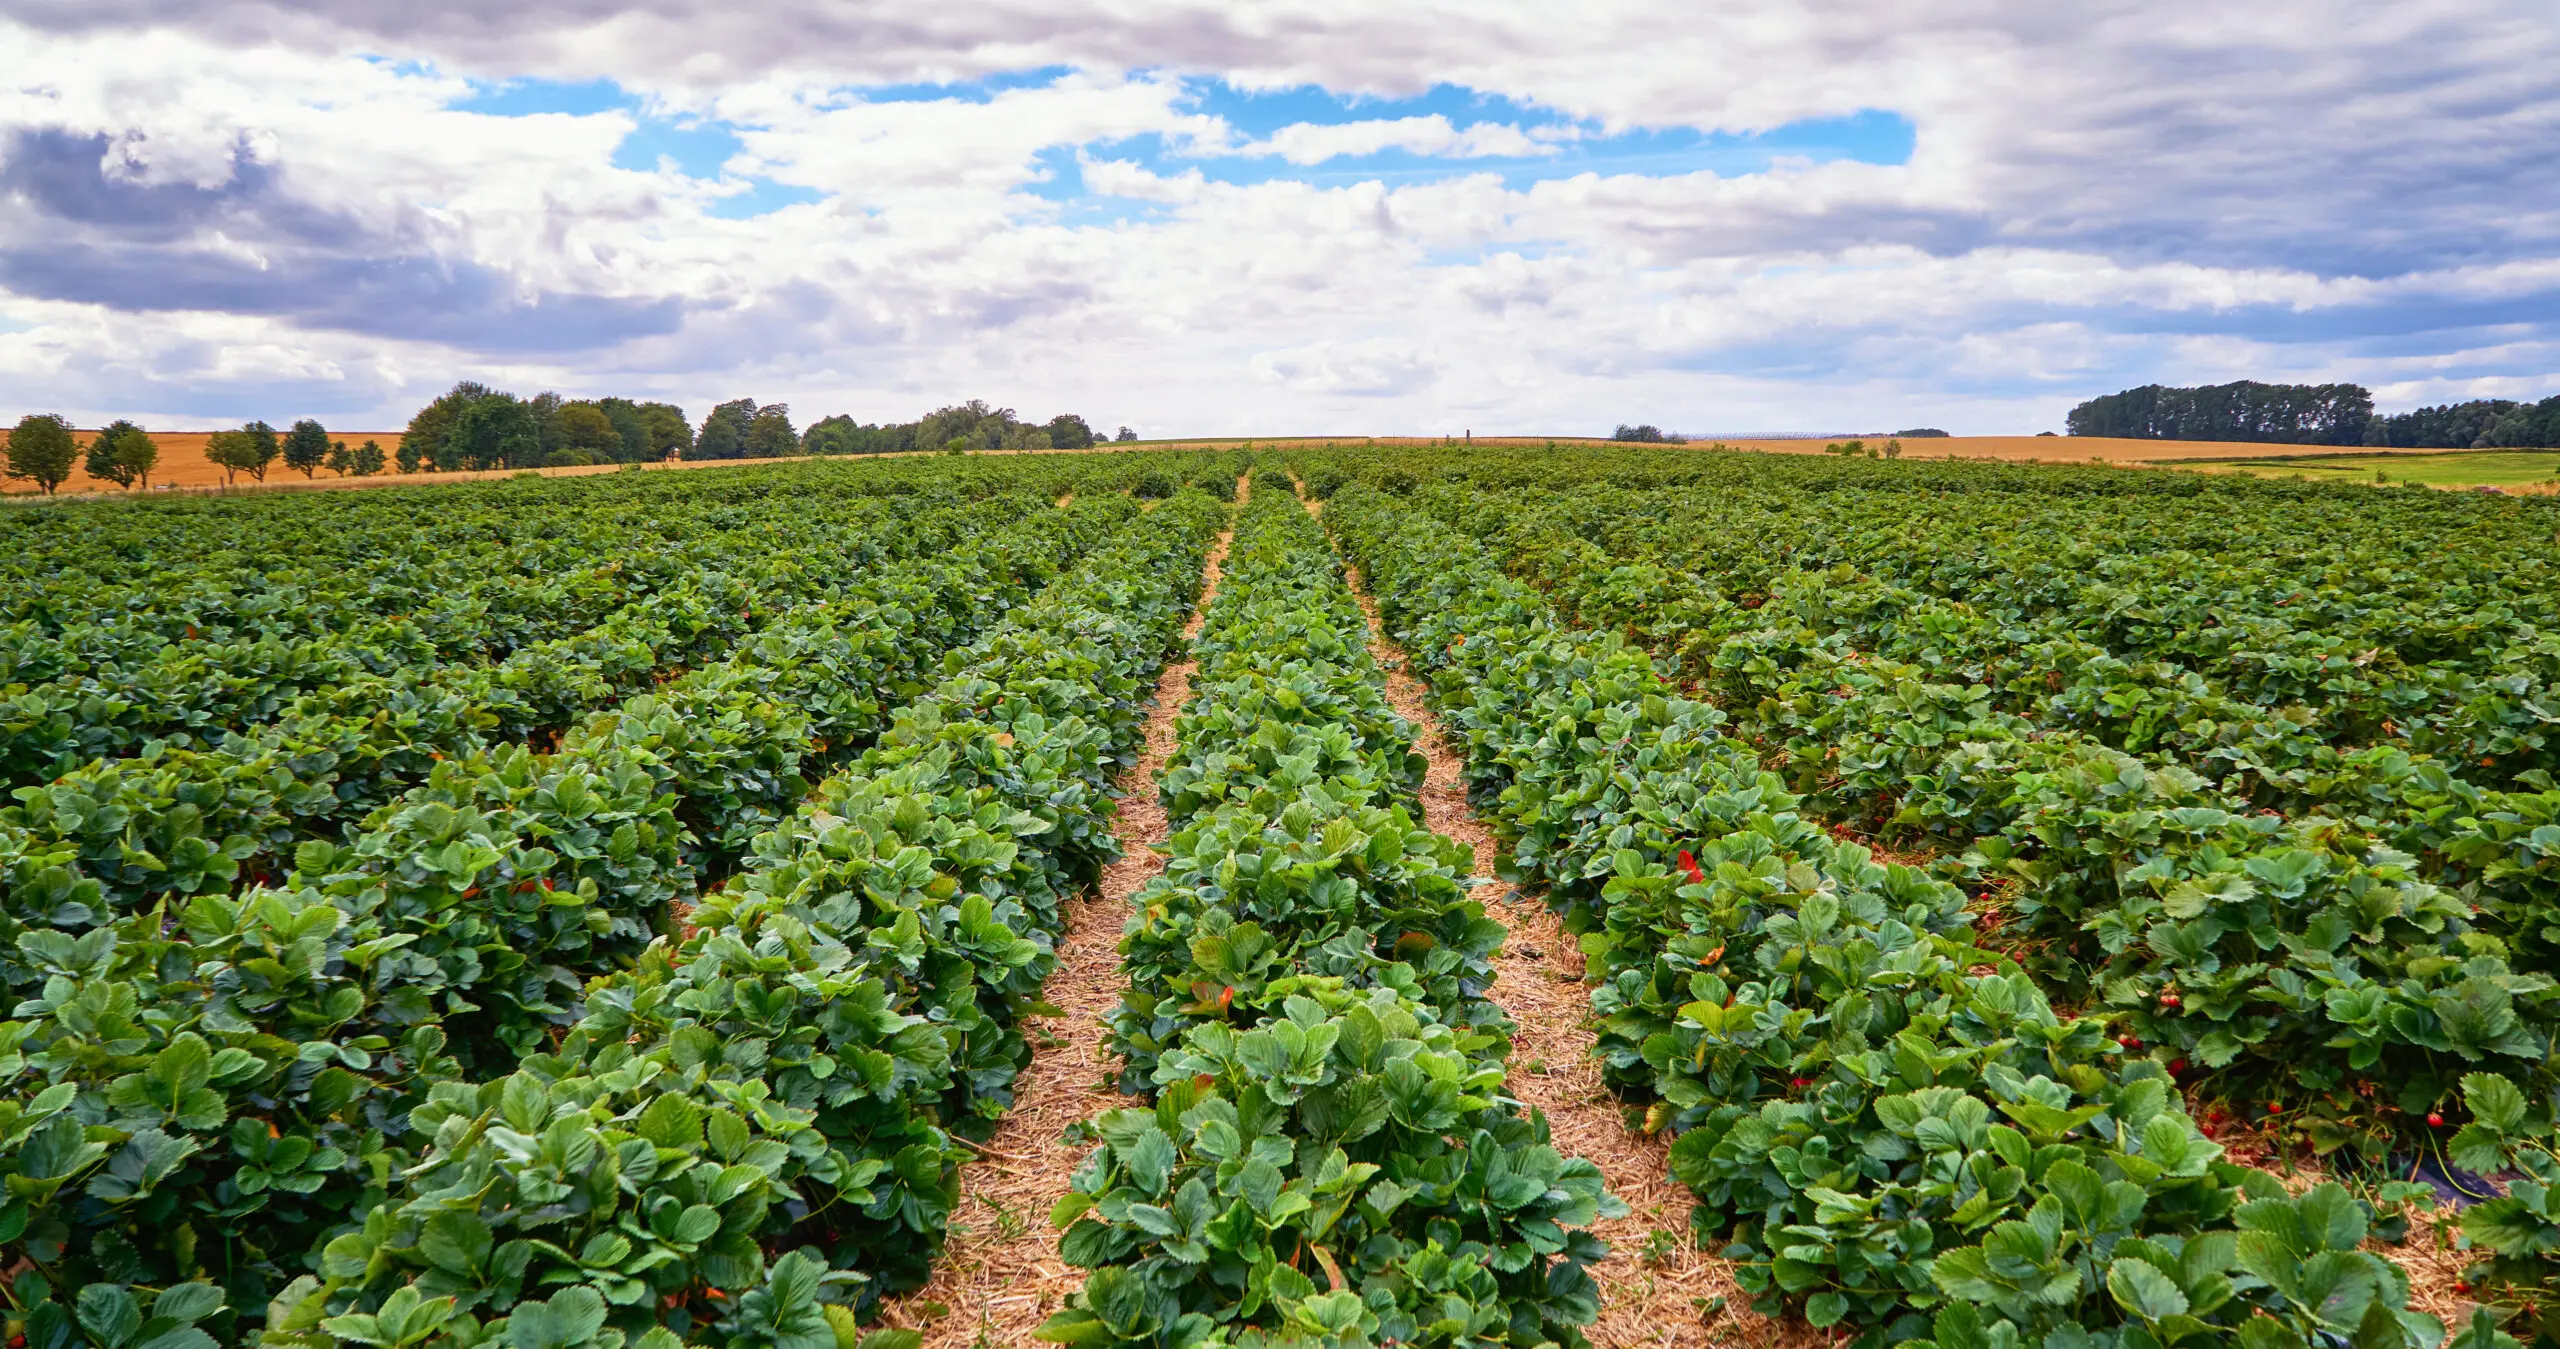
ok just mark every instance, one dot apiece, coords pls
pixel 293 201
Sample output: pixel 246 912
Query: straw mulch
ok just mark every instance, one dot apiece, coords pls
pixel 1000 1277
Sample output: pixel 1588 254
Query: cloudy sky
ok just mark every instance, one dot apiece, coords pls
pixel 1234 216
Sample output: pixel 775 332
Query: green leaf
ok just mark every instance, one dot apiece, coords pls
pixel 2141 1289
pixel 1149 1159
pixel 2494 1101
pixel 455 1241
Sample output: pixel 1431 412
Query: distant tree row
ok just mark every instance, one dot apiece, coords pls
pixel 2481 424
pixel 43 447
pixel 2313 414
pixel 472 426
pixel 2292 414
pixel 965 426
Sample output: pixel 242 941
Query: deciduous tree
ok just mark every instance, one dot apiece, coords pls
pixel 423 446
pixel 41 450
pixel 306 447
pixel 769 433
pixel 122 454
pixel 724 432
pixel 585 429
pixel 1067 431
pixel 670 435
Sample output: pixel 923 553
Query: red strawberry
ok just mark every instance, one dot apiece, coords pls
pixel 2435 1119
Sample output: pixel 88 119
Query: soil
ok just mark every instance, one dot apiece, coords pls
pixel 1001 1276
pixel 1658 1289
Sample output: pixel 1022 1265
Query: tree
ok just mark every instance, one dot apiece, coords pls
pixel 670 434
pixel 1647 433
pixel 544 409
pixel 306 447
pixel 139 453
pixel 368 459
pixel 234 452
pixel 41 450
pixel 983 427
pixel 493 432
pixel 724 432
pixel 251 450
pixel 769 433
pixel 631 424
pixel 423 446
pixel 585 430
pixel 122 454
pixel 1067 431
pixel 1125 435
pixel 834 435
pixel 1023 436
pixel 341 460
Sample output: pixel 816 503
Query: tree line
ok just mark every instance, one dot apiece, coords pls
pixel 2481 424
pixel 43 448
pixel 474 427
pixel 2293 414
pixel 2313 414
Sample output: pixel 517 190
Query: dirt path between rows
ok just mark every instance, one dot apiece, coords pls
pixel 1658 1290
pixel 1000 1277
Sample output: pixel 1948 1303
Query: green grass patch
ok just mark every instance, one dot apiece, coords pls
pixel 2477 468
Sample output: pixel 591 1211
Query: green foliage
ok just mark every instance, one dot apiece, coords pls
pixel 1883 1132
pixel 456 1075
pixel 41 450
pixel 1350 1134
pixel 2517 1233
pixel 306 447
pixel 123 454
pixel 1306 1002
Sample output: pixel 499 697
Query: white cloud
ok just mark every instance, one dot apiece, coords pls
pixel 1316 142
pixel 1372 368
pixel 206 204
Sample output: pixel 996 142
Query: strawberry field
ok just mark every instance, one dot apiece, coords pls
pixel 2023 906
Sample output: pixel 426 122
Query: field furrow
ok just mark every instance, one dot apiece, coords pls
pixel 1658 1287
pixel 1001 1276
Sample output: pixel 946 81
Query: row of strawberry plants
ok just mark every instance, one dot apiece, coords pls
pixel 105 682
pixel 2347 967
pixel 2418 619
pixel 178 629
pixel 1889 1125
pixel 732 738
pixel 681 602
pixel 1969 675
pixel 387 1070
pixel 1329 1157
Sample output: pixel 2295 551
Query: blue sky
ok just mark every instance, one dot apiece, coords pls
pixel 702 146
pixel 1259 217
